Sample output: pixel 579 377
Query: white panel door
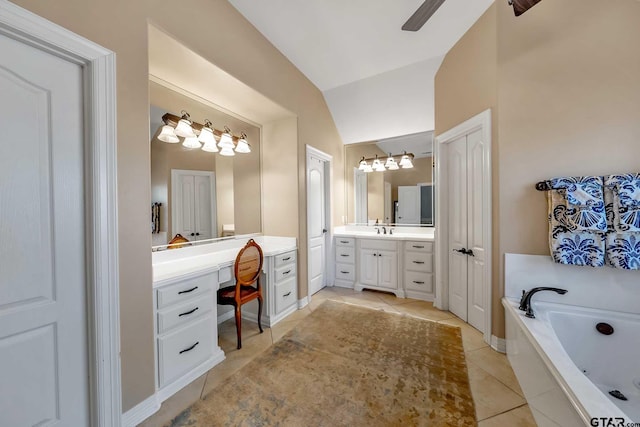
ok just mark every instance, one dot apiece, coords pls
pixel 316 223
pixel 388 269
pixel 193 204
pixel 409 204
pixel 203 207
pixel 361 197
pixel 43 320
pixel 476 240
pixel 457 233
pixel 368 267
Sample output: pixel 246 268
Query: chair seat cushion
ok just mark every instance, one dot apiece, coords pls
pixel 230 291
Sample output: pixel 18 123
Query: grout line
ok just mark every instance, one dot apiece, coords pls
pixel 504 412
pixel 495 377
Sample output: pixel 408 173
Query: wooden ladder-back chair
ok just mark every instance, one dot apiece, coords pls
pixel 247 270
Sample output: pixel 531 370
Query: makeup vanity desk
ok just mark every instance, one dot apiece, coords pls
pixel 185 282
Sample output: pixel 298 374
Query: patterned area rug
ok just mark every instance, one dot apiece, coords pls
pixel 345 365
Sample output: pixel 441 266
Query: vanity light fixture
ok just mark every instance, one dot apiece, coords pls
pixel 390 163
pixel 197 135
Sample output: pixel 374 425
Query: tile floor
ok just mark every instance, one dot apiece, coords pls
pixel 498 398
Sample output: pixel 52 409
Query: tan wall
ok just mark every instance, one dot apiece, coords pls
pixel 219 33
pixel 568 98
pixel 224 192
pixel 353 153
pixel 465 85
pixel 420 173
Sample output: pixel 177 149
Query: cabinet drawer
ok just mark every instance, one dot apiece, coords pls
pixel 418 281
pixel 286 258
pixel 184 290
pixel 384 245
pixel 345 255
pixel 419 246
pixel 286 295
pixel 418 261
pixel 345 272
pixel 345 241
pixel 180 314
pixel 285 272
pixel 184 349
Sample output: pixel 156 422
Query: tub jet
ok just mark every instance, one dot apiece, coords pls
pixel 618 394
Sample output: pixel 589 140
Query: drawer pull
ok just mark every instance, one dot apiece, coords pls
pixel 186 313
pixel 190 348
pixel 418 246
pixel 344 272
pixel 418 262
pixel 286 272
pixel 344 254
pixel 418 282
pixel 188 290
pixel 287 294
pixel 344 241
pixel 286 259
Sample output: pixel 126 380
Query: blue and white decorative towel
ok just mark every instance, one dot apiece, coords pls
pixel 622 205
pixel 569 244
pixel 582 208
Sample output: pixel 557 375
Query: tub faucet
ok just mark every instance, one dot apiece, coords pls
pixel 525 301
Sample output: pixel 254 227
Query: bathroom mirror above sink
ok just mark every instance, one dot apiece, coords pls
pixel 402 197
pixel 207 194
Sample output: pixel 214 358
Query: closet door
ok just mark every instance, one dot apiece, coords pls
pixel 202 207
pixel 184 204
pixel 193 206
pixel 475 240
pixel 458 224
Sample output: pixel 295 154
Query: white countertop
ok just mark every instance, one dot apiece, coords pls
pixel 399 233
pixel 171 264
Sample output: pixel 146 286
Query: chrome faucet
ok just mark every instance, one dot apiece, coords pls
pixel 525 301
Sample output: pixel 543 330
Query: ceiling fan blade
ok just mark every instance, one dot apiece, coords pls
pixel 422 14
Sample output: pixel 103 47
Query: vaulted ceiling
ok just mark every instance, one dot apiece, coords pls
pixel 376 78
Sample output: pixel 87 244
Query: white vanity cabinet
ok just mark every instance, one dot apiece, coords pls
pixel 279 289
pixel 186 330
pixel 345 262
pixel 378 265
pixel 418 270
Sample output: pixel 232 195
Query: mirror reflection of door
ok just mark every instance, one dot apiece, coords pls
pixel 193 203
pixel 408 205
pixel 360 178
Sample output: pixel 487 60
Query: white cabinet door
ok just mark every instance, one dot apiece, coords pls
pixel 193 204
pixel 408 204
pixel 388 269
pixel 44 363
pixel 369 267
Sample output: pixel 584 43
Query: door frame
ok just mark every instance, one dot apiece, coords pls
pixel 175 173
pixel 328 181
pixel 101 215
pixel 481 122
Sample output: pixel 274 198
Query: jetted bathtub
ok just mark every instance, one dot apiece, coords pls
pixel 567 368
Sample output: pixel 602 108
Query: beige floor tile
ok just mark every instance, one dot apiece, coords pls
pixel 491 397
pixel 495 364
pixel 472 339
pixel 281 328
pixel 519 417
pixel 176 404
pixel 423 310
pixel 366 301
pixel 391 299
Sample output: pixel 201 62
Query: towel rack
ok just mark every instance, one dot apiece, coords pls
pixel 543 186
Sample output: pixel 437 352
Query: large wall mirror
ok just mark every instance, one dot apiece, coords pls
pixel 404 196
pixel 199 194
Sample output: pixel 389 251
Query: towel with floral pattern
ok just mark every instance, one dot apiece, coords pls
pixel 567 243
pixel 622 246
pixel 582 207
pixel 624 205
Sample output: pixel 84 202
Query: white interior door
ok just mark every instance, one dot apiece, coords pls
pixel 316 223
pixel 457 232
pixel 475 231
pixel 361 196
pixel 409 204
pixel 43 317
pixel 193 206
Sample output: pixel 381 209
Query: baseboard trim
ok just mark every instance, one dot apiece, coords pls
pixel 226 316
pixel 498 344
pixel 302 303
pixel 141 411
pixel 169 390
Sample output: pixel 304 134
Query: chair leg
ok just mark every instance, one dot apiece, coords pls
pixel 260 313
pixel 239 326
